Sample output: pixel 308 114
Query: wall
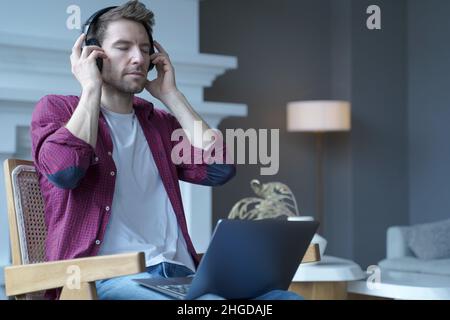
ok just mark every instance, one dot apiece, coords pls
pixel 379 136
pixel 49 18
pixel 429 110
pixel 299 50
pixel 338 193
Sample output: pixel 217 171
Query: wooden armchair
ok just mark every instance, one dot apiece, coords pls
pixel 30 276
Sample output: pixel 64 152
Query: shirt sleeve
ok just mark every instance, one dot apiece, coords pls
pixel 207 167
pixel 57 153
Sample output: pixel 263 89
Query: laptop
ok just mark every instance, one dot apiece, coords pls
pixel 245 259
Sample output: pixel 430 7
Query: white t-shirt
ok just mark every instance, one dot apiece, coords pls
pixel 142 217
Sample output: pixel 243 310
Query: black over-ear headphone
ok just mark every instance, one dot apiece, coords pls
pixel 94 42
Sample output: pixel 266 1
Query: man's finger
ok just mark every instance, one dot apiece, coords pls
pixel 97 54
pixel 73 58
pixel 77 46
pixel 158 54
pixel 159 59
pixel 87 50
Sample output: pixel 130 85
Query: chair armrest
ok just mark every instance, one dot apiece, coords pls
pixel 312 254
pixel 28 278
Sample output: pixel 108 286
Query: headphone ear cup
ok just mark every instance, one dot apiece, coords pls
pixel 152 51
pixel 94 42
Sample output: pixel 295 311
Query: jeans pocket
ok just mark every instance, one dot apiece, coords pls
pixel 171 270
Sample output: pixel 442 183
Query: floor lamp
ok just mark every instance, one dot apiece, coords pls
pixel 319 117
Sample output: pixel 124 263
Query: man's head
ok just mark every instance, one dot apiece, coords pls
pixel 123 33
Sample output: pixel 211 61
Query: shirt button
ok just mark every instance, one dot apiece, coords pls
pixel 107 208
pixel 96 159
pixel 97 242
pixel 113 173
pixel 109 153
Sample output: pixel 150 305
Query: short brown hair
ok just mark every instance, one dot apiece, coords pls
pixel 132 10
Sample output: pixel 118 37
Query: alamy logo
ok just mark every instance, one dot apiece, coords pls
pixel 242 147
pixel 74 19
pixel 73 281
pixel 374 20
pixel 374 279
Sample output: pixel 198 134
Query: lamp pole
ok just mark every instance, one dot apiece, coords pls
pixel 319 181
pixel 319 117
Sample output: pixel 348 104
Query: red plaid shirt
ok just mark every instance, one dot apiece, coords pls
pixel 77 181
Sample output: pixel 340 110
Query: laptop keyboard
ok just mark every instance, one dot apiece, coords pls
pixel 179 289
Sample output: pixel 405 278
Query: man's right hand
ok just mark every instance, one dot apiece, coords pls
pixel 84 64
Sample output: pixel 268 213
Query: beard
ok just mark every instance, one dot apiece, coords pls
pixel 127 84
pixel 123 82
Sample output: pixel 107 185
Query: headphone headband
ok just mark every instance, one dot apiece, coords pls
pixel 93 19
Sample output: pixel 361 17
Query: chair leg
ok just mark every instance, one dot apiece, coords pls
pixel 87 291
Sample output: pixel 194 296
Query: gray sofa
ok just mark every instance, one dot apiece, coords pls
pixel 407 247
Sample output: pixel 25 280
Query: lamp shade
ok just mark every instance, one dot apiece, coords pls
pixel 318 116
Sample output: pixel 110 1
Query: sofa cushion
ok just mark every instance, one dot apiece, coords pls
pixel 430 240
pixel 411 264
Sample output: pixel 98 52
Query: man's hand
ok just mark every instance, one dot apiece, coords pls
pixel 84 65
pixel 164 88
pixel 164 85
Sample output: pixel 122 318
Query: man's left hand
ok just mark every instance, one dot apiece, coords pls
pixel 164 85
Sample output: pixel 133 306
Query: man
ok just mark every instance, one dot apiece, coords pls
pixel 104 158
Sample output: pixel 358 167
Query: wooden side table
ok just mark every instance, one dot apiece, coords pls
pixel 327 279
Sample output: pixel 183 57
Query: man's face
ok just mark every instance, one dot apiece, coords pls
pixel 127 45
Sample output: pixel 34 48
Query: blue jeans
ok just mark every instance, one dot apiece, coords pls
pixel 124 288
